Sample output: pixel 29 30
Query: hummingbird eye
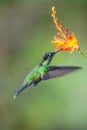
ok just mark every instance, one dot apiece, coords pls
pixel 46 55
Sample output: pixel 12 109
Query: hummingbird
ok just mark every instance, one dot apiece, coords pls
pixel 43 71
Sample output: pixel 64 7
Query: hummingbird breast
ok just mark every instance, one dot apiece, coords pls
pixel 35 74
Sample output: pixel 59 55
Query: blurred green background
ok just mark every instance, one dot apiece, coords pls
pixel 26 31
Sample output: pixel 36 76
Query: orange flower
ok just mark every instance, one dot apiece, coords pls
pixel 70 43
pixel 65 42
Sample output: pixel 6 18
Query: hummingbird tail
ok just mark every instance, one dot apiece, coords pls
pixel 20 90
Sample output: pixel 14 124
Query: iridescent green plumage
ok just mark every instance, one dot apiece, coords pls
pixel 43 72
pixel 35 74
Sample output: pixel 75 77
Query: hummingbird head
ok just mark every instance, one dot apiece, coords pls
pixel 47 57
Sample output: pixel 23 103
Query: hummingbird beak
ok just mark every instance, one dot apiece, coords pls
pixel 53 53
pixel 58 51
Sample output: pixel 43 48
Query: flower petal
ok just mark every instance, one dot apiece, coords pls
pixel 65 42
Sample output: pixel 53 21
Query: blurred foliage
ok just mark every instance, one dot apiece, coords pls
pixel 26 31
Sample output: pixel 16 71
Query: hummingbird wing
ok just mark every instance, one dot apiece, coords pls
pixel 57 71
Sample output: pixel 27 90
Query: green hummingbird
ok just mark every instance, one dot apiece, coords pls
pixel 44 72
